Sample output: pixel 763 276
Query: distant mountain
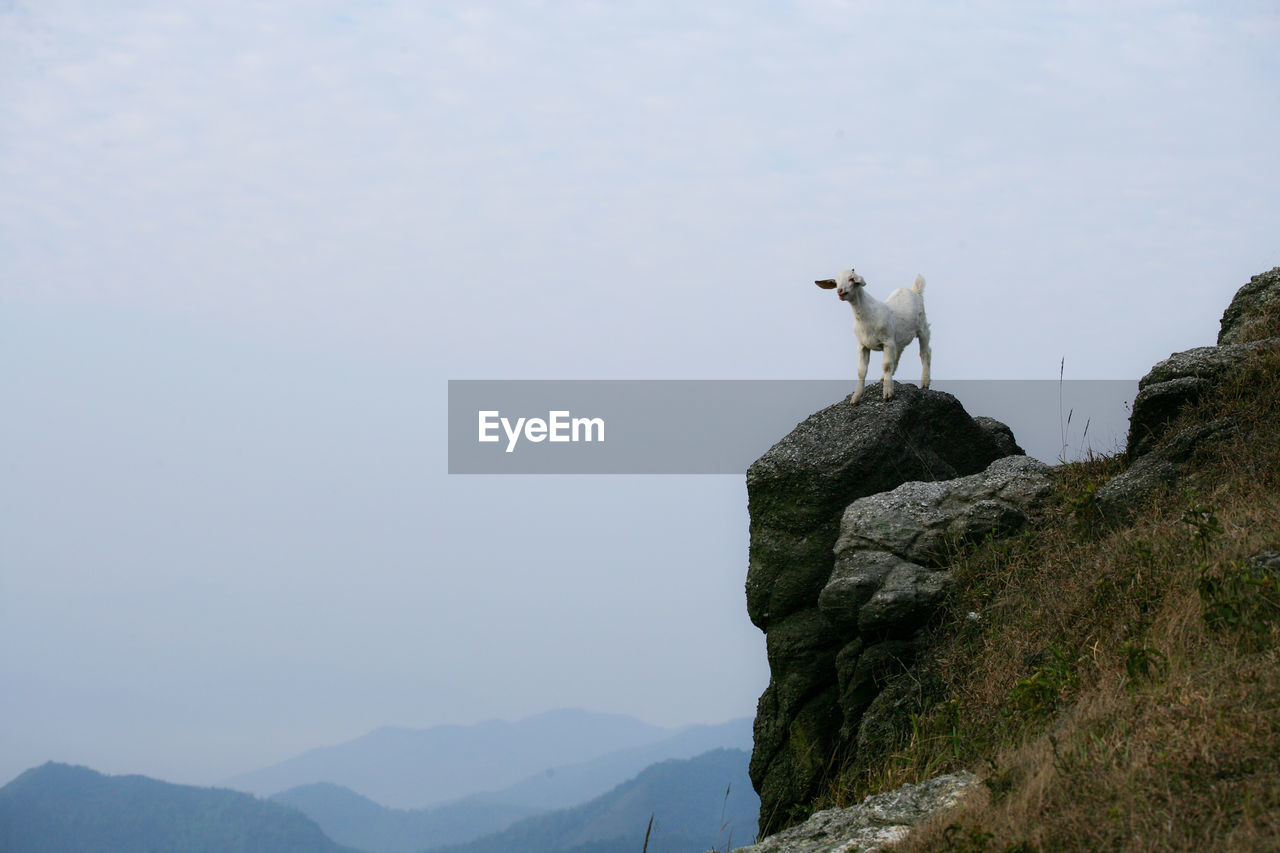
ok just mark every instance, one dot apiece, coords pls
pixel 57 808
pixel 697 804
pixel 349 818
pixel 415 768
pixel 573 784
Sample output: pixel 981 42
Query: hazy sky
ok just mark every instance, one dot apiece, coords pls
pixel 243 247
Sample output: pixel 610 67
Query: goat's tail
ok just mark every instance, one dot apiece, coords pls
pixel 919 285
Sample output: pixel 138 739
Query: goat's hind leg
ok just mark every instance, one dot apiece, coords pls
pixel 864 358
pixel 926 355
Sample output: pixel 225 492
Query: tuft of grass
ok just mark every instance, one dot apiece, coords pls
pixel 1121 688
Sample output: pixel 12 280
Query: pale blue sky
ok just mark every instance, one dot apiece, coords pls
pixel 243 246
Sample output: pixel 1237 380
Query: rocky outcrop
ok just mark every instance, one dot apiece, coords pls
pixel 876 821
pixel 1254 313
pixel 1180 380
pixel 832 648
pixel 1158 459
pixel 853 518
pixel 798 490
pixel 921 521
pixel 1155 472
pixel 891 574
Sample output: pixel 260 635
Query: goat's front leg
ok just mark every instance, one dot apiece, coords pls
pixel 890 365
pixel 864 358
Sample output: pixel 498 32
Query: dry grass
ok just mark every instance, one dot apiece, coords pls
pixel 1120 689
pixel 1265 324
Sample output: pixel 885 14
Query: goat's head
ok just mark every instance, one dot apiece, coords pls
pixel 843 284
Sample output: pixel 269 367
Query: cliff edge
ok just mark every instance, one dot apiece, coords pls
pixel 1098 642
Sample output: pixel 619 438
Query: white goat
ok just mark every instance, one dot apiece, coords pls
pixel 888 325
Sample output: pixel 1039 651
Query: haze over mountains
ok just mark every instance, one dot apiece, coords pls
pixel 693 778
pixel 351 818
pixel 697 804
pixel 551 760
pixel 576 783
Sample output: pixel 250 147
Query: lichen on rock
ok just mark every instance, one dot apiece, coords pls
pixel 878 820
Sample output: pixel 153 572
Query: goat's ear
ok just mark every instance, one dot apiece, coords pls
pixel 826 283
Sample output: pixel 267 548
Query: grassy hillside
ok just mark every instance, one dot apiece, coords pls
pixel 57 808
pixel 1118 687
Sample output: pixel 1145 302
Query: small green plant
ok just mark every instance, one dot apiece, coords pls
pixel 1203 521
pixel 1078 487
pixel 924 742
pixel 1083 509
pixel 1143 663
pixel 1240 599
pixel 1234 597
pixel 1039 694
pixel 799 813
pixel 1143 564
pixel 999 782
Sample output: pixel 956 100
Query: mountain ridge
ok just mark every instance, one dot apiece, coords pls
pixel 696 804
pixel 350 818
pixel 55 808
pixel 410 769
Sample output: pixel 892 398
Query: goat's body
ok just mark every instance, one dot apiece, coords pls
pixel 887 326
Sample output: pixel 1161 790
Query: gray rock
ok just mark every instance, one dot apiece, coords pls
pixel 855 578
pixel 1156 472
pixel 1254 312
pixel 905 600
pixel 1265 561
pixel 801 651
pixel 1002 435
pixel 920 522
pixel 865 674
pixel 1180 380
pixel 877 821
pixel 1206 362
pixel 797 493
pixel 798 489
pixel 793 753
pixel 793 738
pixel 1157 405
